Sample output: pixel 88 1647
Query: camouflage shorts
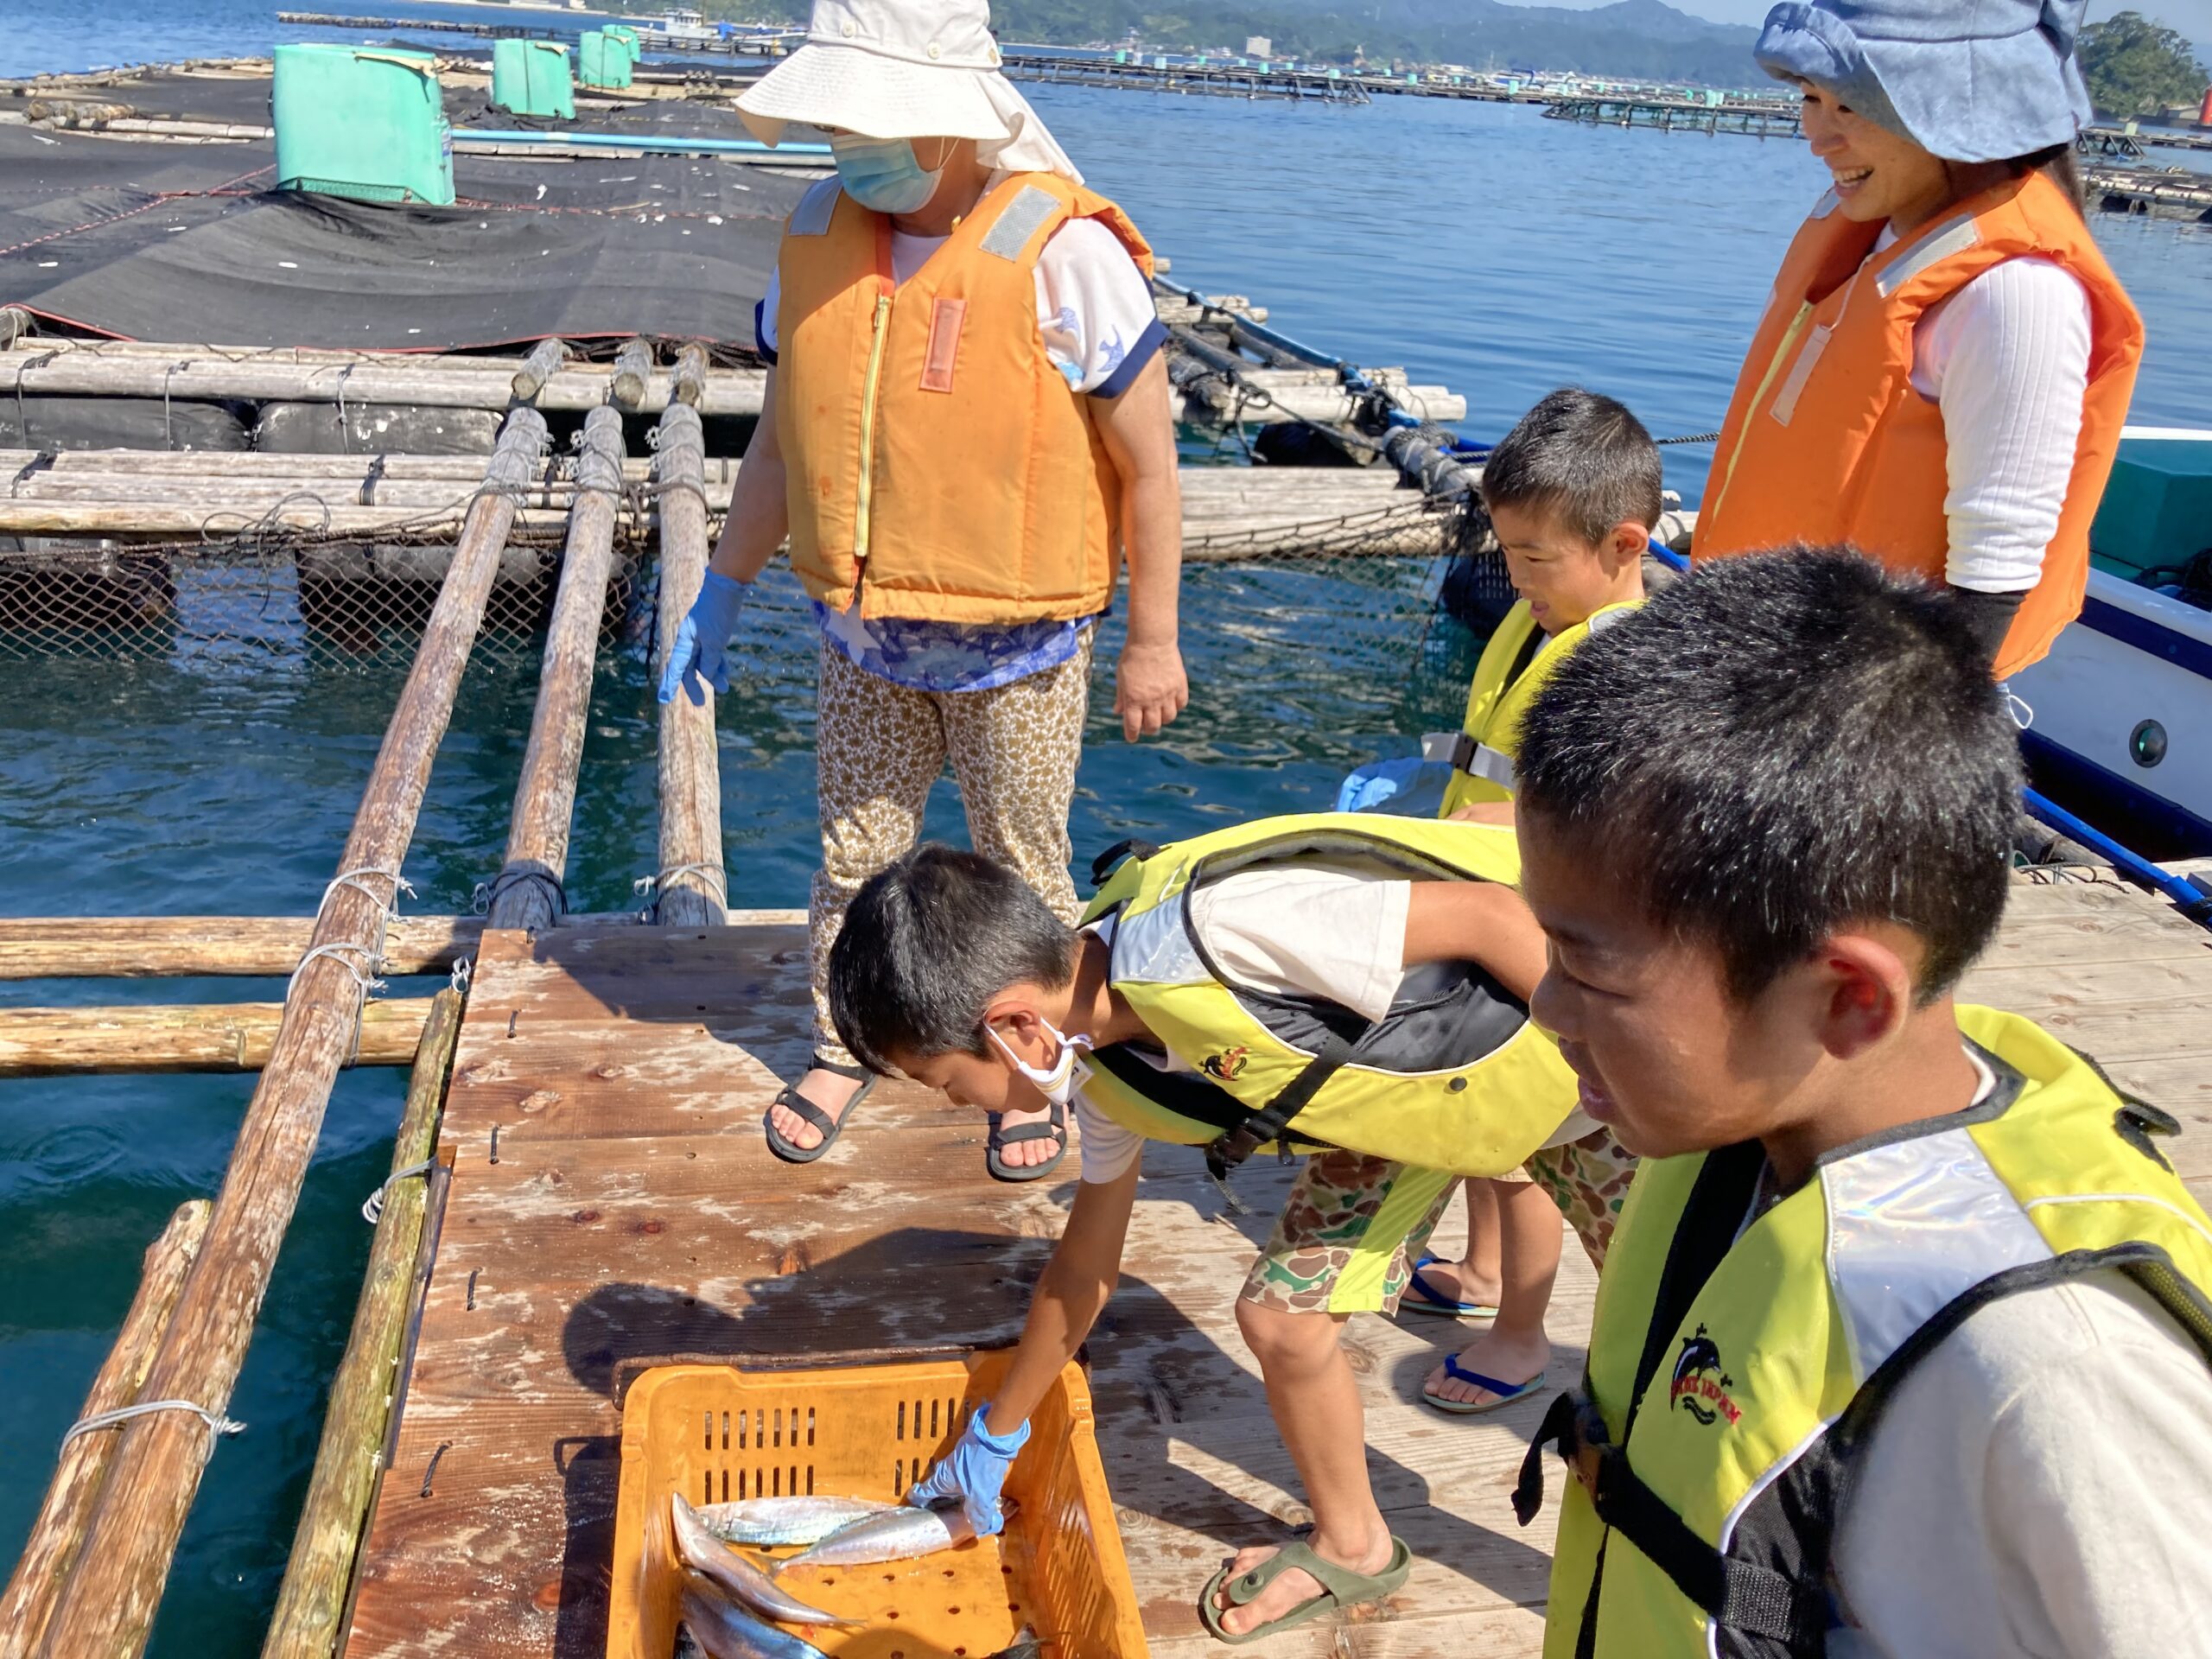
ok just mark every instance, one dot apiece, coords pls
pixel 1588 1180
pixel 1341 1244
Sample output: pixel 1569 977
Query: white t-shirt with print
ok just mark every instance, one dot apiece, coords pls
pixel 1093 306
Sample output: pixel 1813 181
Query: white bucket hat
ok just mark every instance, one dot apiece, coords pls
pixel 905 69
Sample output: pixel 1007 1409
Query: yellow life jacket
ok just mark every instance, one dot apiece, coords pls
pixel 1733 1380
pixel 1456 1077
pixel 937 463
pixel 1514 667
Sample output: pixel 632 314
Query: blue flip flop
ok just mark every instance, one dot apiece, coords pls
pixel 1422 1297
pixel 1504 1394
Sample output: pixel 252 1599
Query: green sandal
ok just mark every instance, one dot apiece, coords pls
pixel 1341 1588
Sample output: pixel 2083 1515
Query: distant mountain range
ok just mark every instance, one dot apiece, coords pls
pixel 1640 39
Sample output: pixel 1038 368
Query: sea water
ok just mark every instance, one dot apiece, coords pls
pixel 1480 247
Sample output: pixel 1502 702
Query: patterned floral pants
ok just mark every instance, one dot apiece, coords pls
pixel 879 748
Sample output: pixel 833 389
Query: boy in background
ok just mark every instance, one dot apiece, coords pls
pixel 1902 1346
pixel 1573 493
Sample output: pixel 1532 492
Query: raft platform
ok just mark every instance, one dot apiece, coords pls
pixel 611 1206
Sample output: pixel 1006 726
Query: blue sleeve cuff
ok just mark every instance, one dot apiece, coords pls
pixel 761 331
pixel 1147 348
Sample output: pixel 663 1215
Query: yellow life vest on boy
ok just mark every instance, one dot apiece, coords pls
pixel 1514 667
pixel 937 463
pixel 1733 1380
pixel 1455 1079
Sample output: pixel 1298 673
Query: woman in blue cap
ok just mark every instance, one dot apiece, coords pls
pixel 1943 374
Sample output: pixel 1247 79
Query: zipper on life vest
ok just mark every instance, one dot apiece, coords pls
pixel 879 333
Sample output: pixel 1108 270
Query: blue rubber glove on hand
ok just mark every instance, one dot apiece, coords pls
pixel 974 1473
pixel 1378 781
pixel 702 648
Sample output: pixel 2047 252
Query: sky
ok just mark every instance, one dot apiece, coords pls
pixel 2192 18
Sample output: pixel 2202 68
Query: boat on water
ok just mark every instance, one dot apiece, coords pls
pixel 2119 714
pixel 680 26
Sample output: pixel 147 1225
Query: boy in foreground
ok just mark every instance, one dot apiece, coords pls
pixel 1572 494
pixel 1901 1348
pixel 1348 986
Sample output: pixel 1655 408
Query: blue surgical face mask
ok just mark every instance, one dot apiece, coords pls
pixel 882 174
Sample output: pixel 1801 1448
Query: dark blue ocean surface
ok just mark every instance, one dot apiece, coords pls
pixel 1480 247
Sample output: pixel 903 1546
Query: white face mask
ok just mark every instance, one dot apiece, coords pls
pixel 1068 1073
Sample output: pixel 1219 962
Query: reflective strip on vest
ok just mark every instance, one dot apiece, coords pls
pixel 1941 244
pixel 811 216
pixel 1912 1227
pixel 1154 946
pixel 1011 234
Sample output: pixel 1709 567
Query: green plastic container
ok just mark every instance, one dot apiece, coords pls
pixel 2157 508
pixel 603 61
pixel 364 122
pixel 532 78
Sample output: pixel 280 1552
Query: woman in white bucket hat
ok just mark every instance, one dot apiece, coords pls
pixel 966 431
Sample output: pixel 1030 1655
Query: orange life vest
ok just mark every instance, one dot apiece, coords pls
pixel 937 464
pixel 1827 441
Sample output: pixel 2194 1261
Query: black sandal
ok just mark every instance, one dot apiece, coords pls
pixel 790 1098
pixel 1056 1129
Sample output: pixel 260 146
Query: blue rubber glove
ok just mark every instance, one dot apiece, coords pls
pixel 702 648
pixel 1376 782
pixel 974 1473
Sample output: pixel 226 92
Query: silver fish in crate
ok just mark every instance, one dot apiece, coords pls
pixel 889 1537
pixel 725 1630
pixel 732 1573
pixel 772 1520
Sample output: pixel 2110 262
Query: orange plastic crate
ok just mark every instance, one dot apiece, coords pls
pixel 716 1433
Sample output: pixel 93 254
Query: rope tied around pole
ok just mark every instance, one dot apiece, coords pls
pixel 373 1206
pixel 487 893
pixel 365 972
pixel 217 1423
pixel 659 883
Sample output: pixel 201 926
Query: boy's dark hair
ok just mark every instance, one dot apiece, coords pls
pixel 1581 457
pixel 926 946
pixel 1779 746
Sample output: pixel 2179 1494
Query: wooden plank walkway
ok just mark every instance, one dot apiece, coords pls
pixel 632 1215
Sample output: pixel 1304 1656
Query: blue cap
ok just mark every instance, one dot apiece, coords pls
pixel 1970 80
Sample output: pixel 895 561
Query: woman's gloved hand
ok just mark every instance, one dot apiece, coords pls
pixel 974 1473
pixel 702 648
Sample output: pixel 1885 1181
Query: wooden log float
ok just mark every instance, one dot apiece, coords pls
pixel 577 387
pixel 107 1603
pixel 689 378
pixel 190 1037
pixel 542 363
pixel 690 886
pixel 154 947
pixel 15 323
pixel 312 1599
pixel 528 891
pixel 633 368
pixel 56 1533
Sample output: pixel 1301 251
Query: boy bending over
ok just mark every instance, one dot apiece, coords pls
pixel 1901 1347
pixel 1349 986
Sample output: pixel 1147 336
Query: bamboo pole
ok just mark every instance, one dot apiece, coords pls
pixel 691 884
pixel 190 1037
pixel 134 1528
pixel 689 378
pixel 154 947
pixel 579 386
pixel 634 367
pixel 336 1511
pixel 57 1530
pixel 355 470
pixel 528 891
pixel 542 363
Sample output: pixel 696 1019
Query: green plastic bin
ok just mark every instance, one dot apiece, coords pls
pixel 603 61
pixel 2158 509
pixel 363 122
pixel 532 78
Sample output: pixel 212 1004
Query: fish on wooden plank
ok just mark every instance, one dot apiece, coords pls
pixel 769 1521
pixel 726 1630
pixel 703 1553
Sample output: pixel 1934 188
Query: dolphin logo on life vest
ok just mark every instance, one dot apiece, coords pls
pixel 1700 1386
pixel 1227 1065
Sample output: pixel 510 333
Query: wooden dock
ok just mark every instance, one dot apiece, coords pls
pixel 630 1216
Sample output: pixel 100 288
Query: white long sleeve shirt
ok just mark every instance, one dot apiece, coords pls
pixel 2007 358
